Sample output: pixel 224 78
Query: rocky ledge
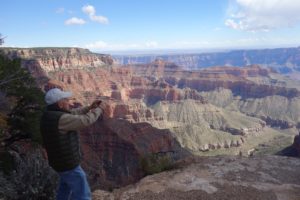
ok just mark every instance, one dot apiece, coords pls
pixel 218 178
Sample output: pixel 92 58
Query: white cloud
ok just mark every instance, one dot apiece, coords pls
pixel 100 19
pixel 91 12
pixel 263 15
pixel 232 24
pixel 74 21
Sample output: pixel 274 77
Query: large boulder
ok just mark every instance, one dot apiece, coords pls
pixel 113 150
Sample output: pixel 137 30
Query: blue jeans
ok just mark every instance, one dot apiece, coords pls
pixel 73 185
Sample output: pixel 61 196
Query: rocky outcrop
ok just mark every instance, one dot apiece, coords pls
pixel 278 122
pixel 245 130
pixel 218 178
pixel 224 144
pixel 296 144
pixel 113 150
pixel 293 150
pixel 25 173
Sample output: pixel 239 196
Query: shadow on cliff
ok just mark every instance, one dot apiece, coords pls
pixel 115 151
pixel 293 150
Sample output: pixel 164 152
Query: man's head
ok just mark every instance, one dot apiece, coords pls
pixel 59 97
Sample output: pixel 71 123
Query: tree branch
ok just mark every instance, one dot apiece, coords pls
pixel 7 81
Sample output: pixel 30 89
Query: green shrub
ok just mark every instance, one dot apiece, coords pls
pixel 155 163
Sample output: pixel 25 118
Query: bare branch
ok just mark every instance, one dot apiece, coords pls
pixel 10 80
pixel 1 40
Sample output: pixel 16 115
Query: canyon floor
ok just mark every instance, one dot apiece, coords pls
pixel 218 178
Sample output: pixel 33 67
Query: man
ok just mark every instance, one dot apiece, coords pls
pixel 59 126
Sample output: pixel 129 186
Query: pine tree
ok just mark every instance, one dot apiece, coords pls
pixel 17 84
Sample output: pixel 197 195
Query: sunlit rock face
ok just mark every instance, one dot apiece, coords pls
pixel 51 59
pixel 42 61
pixel 218 178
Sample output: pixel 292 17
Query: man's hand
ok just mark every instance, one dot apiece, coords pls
pixel 95 104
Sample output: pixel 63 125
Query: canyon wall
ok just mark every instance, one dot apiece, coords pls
pixel 282 59
pixel 113 150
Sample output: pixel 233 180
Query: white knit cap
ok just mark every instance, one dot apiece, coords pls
pixel 55 94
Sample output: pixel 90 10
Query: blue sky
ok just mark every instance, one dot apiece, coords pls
pixel 117 25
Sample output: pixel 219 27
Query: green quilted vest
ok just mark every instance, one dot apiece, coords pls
pixel 62 149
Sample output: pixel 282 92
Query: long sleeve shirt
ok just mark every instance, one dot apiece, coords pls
pixel 78 119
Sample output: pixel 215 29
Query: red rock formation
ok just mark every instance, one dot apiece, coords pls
pixel 52 59
pixel 244 88
pixel 114 148
pixel 249 71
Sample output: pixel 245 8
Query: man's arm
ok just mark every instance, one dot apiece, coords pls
pixel 70 122
pixel 80 111
pixel 86 109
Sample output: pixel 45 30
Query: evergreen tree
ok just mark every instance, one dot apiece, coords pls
pixel 17 84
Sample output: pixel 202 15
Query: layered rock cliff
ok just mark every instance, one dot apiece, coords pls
pixel 282 59
pixel 113 150
pixel 275 110
pixel 41 61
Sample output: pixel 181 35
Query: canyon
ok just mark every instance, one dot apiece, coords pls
pixel 163 108
pixel 283 60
